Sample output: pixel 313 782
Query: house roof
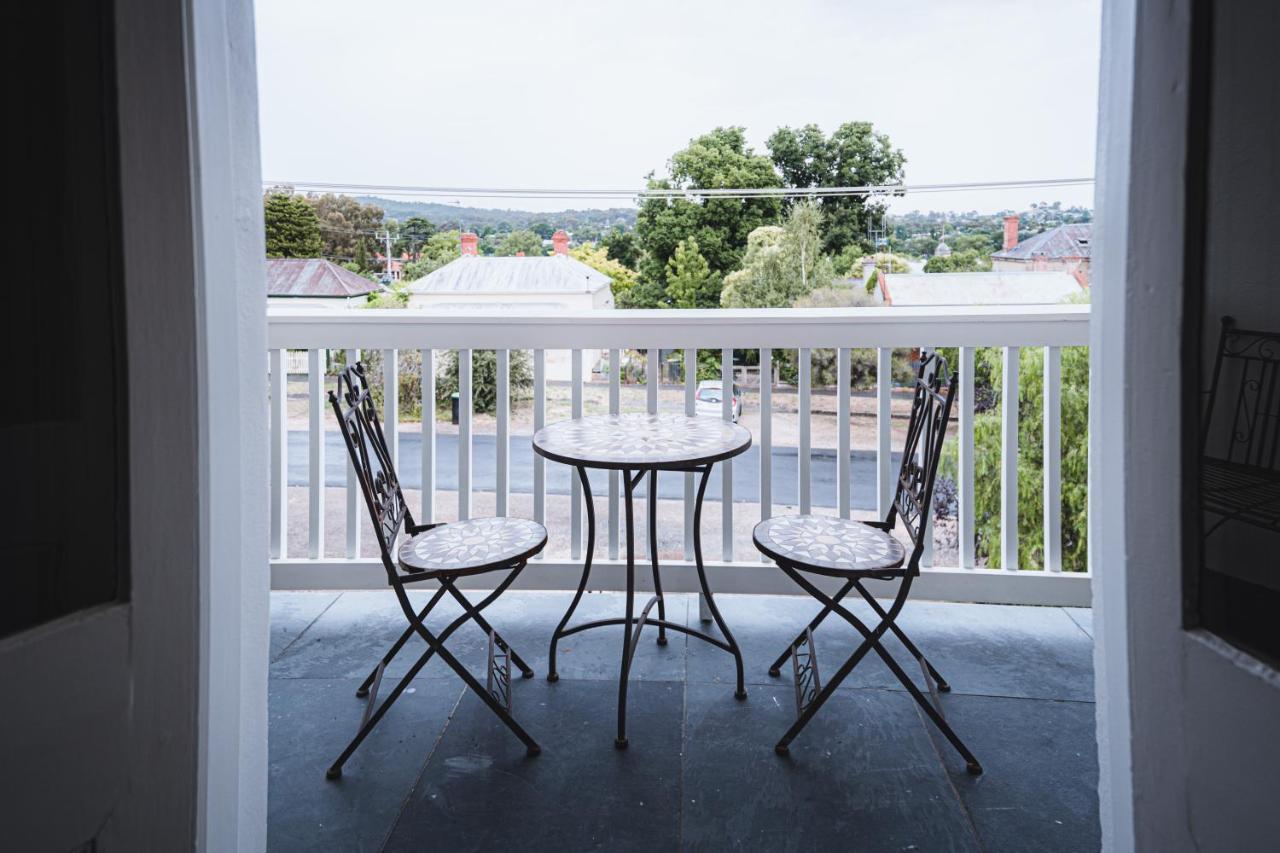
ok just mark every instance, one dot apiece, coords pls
pixel 1065 241
pixel 978 288
pixel 477 274
pixel 315 277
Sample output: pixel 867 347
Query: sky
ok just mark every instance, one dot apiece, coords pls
pixel 600 94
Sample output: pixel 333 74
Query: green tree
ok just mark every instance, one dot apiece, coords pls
pixel 780 264
pixel 484 378
pixel 1074 434
pixel 520 241
pixel 597 257
pixel 715 160
pixel 543 229
pixel 412 234
pixel 291 225
pixel 440 248
pixel 854 155
pixel 967 261
pixel 690 282
pixel 623 247
pixel 345 224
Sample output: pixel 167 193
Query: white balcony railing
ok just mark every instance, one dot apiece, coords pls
pixel 612 332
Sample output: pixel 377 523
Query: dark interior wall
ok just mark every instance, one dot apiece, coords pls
pixel 64 425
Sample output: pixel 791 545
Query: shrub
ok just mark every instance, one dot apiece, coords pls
pixel 484 378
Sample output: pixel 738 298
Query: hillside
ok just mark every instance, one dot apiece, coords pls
pixel 584 224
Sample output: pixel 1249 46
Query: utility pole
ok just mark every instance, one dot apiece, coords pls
pixel 385 237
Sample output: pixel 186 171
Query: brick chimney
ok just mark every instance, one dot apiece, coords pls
pixel 470 244
pixel 1010 231
pixel 560 242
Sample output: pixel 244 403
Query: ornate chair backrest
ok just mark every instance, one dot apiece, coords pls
pixel 935 389
pixel 367 447
pixel 1246 388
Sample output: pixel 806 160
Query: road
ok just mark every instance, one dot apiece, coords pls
pixel 746 470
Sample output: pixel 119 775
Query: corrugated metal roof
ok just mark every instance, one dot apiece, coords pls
pixel 1065 241
pixel 477 274
pixel 980 288
pixel 315 277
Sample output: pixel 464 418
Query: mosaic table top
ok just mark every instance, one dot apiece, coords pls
pixel 641 441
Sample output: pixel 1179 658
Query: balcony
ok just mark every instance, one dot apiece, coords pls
pixel 869 773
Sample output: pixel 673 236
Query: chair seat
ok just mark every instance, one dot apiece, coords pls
pixel 472 546
pixel 1248 493
pixel 828 545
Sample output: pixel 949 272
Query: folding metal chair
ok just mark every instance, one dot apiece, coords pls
pixel 855 551
pixel 433 552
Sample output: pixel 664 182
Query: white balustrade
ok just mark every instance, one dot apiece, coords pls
pixel 311 334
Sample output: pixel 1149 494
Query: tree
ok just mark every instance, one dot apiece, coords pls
pixel 440 248
pixel 520 241
pixel 484 378
pixel 543 229
pixel 623 247
pixel 345 224
pixel 780 265
pixel 854 155
pixel 690 282
pixel 715 160
pixel 968 261
pixel 292 229
pixel 411 234
pixel 596 257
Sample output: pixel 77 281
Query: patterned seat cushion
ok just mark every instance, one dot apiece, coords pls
pixel 825 542
pixel 477 543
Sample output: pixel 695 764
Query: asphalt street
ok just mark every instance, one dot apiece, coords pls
pixel 484 464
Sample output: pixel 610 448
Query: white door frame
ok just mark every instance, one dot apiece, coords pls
pixel 231 346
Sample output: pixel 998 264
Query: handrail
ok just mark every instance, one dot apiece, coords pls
pixel 1022 325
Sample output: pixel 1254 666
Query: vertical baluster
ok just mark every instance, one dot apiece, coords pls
pixel 690 409
pixel 726 467
pixel 279 453
pixel 653 384
pixel 926 554
pixel 391 403
pixel 539 421
pixel 465 408
pixel 353 489
pixel 766 436
pixel 844 476
pixel 885 485
pixel 315 383
pixel 503 401
pixel 965 486
pixel 805 415
pixel 615 406
pixel 1053 459
pixel 575 487
pixel 1009 461
pixel 428 437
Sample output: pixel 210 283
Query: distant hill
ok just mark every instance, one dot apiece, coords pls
pixel 583 224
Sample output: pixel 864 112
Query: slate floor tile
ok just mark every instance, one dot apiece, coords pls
pixel 292 613
pixel 481 792
pixel 1039 791
pixel 861 776
pixel 311 721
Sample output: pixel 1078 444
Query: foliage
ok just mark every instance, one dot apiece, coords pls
pixel 582 224
pixel 623 247
pixel 292 228
pixel 520 241
pixel 411 234
pixel 597 258
pixel 395 296
pixel 1074 434
pixel 346 226
pixel 780 264
pixel 690 282
pixel 484 378
pixel 854 155
pixel 968 261
pixel 721 226
pixel 440 248
pixel 408 376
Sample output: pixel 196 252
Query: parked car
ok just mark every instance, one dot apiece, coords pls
pixel 708 400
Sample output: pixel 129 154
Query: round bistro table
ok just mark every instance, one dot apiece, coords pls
pixel 636 445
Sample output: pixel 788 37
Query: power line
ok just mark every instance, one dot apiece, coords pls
pixel 880 190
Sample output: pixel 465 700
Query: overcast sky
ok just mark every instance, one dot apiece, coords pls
pixel 598 94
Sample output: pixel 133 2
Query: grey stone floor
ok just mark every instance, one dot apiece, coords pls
pixel 868 774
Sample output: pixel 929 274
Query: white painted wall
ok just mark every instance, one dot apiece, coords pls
pixel 1187 727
